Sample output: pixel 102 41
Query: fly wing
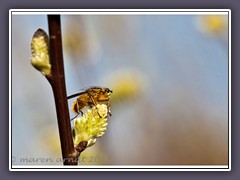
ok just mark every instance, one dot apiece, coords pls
pixel 76 94
pixel 80 103
pixel 92 90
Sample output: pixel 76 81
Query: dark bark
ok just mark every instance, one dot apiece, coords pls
pixel 57 81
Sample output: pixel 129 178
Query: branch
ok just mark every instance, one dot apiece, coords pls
pixel 57 81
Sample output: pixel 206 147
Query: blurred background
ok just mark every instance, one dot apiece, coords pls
pixel 169 76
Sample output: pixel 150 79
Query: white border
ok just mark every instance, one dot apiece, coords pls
pixel 229 87
pixel 120 12
pixel 118 168
pixel 10 91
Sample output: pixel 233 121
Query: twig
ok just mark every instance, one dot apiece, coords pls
pixel 57 81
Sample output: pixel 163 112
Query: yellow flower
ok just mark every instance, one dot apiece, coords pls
pixel 127 84
pixel 213 24
pixel 91 125
pixel 40 52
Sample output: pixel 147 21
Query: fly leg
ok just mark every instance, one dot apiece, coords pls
pixel 78 108
pixel 77 115
pixel 74 117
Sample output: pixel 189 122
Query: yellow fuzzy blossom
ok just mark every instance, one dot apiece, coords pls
pixel 127 84
pixel 91 125
pixel 213 24
pixel 40 52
